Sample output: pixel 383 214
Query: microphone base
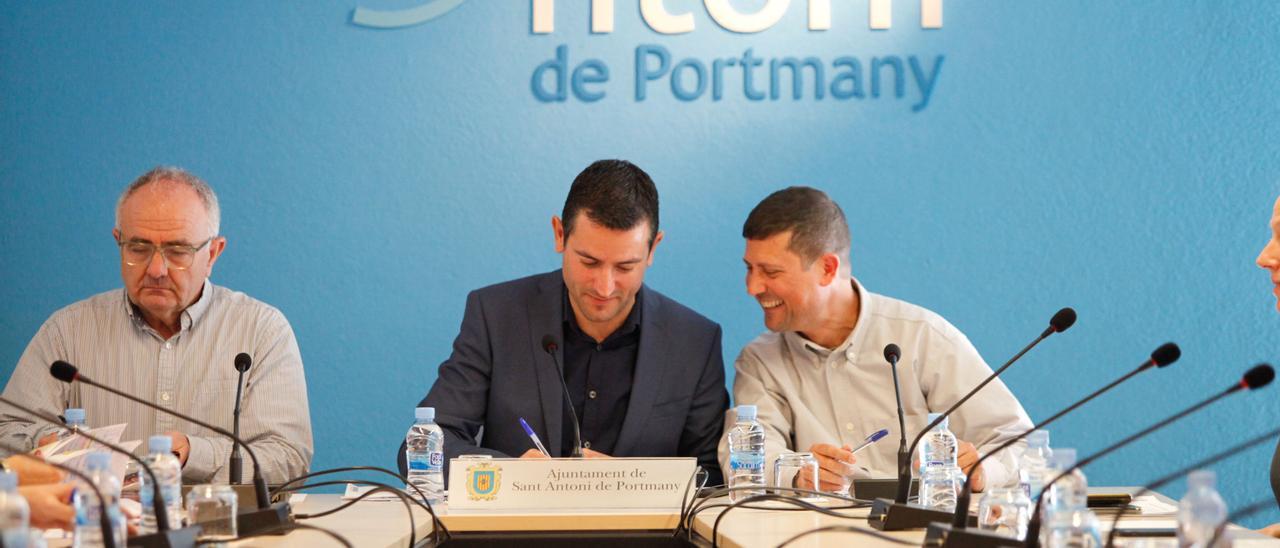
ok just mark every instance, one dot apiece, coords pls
pixel 887 515
pixel 944 535
pixel 173 538
pixel 273 520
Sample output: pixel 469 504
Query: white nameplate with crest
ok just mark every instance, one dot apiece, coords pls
pixel 569 484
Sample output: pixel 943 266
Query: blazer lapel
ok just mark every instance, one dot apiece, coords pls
pixel 646 383
pixel 546 317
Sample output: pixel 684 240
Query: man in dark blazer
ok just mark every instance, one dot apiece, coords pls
pixel 645 373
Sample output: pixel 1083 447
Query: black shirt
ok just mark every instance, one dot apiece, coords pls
pixel 599 379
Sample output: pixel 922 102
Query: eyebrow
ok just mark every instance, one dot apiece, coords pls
pixel 588 256
pixel 146 241
pixel 763 265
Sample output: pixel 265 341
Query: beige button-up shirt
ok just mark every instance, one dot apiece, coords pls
pixel 192 372
pixel 807 394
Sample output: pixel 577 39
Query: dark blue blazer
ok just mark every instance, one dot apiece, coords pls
pixel 498 372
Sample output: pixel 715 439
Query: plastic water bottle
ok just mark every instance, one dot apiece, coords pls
pixel 1202 514
pixel 75 418
pixel 938 446
pixel 15 515
pixel 88 532
pixel 1067 520
pixel 424 455
pixel 1034 464
pixel 940 478
pixel 169 474
pixel 746 454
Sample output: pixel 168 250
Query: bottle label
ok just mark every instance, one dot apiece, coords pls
pixel 751 462
pixel 436 462
pixel 419 461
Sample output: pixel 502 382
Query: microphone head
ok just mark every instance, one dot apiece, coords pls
pixel 549 343
pixel 892 353
pixel 243 362
pixel 63 371
pixel 1258 377
pixel 1064 319
pixel 1166 354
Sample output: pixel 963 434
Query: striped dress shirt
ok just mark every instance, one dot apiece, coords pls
pixel 192 372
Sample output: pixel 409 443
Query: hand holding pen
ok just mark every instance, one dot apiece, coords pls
pixel 537 443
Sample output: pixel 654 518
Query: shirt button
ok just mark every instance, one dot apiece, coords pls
pixel 164 396
pixel 599 347
pixel 168 345
pixel 848 426
pixel 591 394
pixel 586 444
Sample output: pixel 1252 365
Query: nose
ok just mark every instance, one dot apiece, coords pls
pixel 755 286
pixel 1269 258
pixel 602 284
pixel 157 267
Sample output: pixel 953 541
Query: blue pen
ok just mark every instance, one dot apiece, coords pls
pixel 872 439
pixel 538 443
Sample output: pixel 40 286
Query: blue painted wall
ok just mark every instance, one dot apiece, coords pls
pixel 1118 157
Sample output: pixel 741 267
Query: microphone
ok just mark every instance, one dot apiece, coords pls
pixel 896 515
pixel 941 533
pixel 104 520
pixel 267 517
pixel 892 354
pixel 242 364
pixel 549 346
pixel 1257 377
pixel 164 537
pixel 1203 463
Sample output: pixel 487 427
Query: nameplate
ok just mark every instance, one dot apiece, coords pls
pixel 570 484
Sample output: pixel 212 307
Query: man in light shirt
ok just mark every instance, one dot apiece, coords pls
pixel 171 336
pixel 819 377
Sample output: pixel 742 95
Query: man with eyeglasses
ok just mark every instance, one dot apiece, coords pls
pixel 171 336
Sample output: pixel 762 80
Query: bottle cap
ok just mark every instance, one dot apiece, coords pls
pixel 73 414
pixel 425 413
pixel 97 460
pixel 8 481
pixel 1038 438
pixel 942 425
pixel 1202 478
pixel 746 413
pixel 160 444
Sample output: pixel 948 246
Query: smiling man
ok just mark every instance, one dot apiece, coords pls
pixel 819 378
pixel 171 336
pixel 645 373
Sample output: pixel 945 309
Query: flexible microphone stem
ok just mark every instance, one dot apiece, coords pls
pixel 236 466
pixel 892 354
pixel 962 502
pixel 904 473
pixel 104 521
pixel 1033 528
pixel 1164 480
pixel 259 484
pixel 549 345
pixel 162 514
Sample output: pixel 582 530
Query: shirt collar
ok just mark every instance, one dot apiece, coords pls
pixel 189 317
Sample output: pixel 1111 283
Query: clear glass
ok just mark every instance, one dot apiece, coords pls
pixel 1005 511
pixel 213 508
pixel 176 256
pixel 789 467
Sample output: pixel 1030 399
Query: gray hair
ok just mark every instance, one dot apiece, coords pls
pixel 182 177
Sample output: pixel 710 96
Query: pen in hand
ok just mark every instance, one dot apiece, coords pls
pixel 871 439
pixel 536 442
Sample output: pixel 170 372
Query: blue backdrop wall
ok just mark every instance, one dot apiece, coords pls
pixel 1117 157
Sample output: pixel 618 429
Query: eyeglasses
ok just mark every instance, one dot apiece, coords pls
pixel 176 256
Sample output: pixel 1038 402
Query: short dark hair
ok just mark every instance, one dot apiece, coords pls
pixel 817 223
pixel 613 193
